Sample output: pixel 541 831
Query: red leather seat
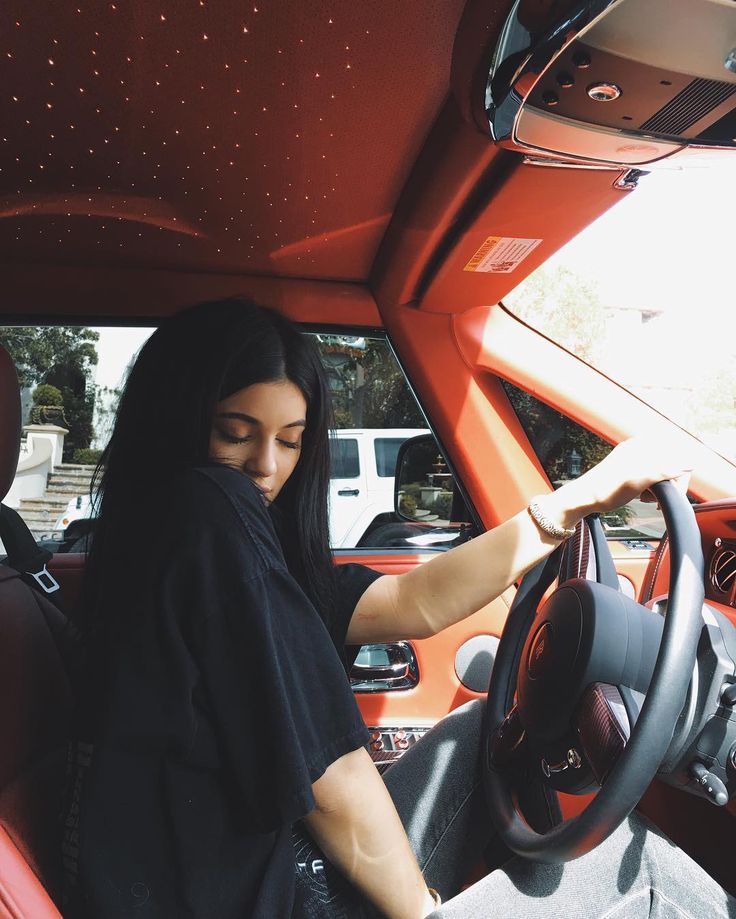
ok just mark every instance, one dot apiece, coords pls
pixel 35 712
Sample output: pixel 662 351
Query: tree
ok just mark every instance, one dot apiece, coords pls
pixel 36 350
pixel 107 399
pixel 368 388
pixel 64 357
pixel 564 306
pixel 565 449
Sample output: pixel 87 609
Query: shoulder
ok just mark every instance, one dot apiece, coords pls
pixel 218 484
pixel 220 508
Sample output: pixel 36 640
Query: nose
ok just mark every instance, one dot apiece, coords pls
pixel 262 462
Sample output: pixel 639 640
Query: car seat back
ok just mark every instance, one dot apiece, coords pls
pixel 35 714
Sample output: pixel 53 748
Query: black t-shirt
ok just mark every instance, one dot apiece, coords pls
pixel 218 704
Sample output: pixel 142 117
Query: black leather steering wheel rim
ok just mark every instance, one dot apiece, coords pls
pixel 638 764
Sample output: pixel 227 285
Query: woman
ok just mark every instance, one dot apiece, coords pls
pixel 220 768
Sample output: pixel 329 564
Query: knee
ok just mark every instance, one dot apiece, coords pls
pixel 466 720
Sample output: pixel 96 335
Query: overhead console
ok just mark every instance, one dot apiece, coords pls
pixel 616 82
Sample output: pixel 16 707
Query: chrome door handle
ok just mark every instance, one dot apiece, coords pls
pixel 397 668
pixel 389 672
pixel 350 492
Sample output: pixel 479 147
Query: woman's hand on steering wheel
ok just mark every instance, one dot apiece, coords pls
pixel 625 474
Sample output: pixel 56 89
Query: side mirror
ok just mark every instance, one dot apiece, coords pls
pixel 424 488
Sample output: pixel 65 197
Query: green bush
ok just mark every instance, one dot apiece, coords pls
pixel 86 456
pixel 408 505
pixel 443 505
pixel 45 394
pixel 49 414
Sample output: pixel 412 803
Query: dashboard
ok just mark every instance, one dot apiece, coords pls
pixel 717 524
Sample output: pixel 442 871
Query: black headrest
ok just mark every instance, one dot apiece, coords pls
pixel 9 422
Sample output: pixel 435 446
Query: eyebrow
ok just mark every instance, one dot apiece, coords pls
pixel 241 416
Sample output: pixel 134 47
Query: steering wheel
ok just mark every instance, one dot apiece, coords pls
pixel 590 686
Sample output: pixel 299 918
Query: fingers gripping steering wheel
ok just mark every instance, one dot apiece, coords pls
pixel 584 686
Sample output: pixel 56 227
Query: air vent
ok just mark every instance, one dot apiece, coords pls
pixel 691 104
pixel 723 570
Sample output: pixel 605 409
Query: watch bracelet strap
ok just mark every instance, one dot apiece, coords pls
pixel 545 523
pixel 432 901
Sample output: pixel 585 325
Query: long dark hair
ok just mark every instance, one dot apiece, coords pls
pixel 192 361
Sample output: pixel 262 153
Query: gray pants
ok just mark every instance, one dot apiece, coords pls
pixel 637 872
pixel 435 786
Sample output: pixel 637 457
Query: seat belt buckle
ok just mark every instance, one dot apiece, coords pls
pixel 45 580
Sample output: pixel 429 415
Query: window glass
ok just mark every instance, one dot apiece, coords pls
pixel 344 458
pixel 644 295
pixel 369 389
pixel 387 449
pixel 373 400
pixel 71 380
pixel 566 450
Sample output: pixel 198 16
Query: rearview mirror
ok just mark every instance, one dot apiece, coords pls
pixel 425 490
pixel 619 82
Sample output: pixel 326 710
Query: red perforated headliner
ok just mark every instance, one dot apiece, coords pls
pixel 261 137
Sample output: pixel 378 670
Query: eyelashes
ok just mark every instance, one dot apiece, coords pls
pixel 234 440
pixel 244 440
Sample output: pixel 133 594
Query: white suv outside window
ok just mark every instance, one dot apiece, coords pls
pixel 362 482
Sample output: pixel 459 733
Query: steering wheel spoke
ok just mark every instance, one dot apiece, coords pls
pixel 587 555
pixel 603 726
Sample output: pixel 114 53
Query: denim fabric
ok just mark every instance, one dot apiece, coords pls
pixel 437 791
pixel 637 873
pixel 435 786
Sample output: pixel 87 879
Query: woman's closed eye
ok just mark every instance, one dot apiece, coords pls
pixel 233 438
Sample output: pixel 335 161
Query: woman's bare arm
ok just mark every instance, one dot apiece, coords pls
pixel 458 583
pixel 356 825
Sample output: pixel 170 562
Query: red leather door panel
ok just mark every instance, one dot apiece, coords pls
pixel 439 689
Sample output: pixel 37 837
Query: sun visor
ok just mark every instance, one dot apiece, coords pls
pixel 625 83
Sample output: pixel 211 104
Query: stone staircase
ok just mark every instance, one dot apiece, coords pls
pixel 66 482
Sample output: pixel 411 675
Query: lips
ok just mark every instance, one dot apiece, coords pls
pixel 265 492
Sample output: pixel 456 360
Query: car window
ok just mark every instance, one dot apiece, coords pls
pixel 344 458
pixel 652 312
pixel 566 450
pixel 386 450
pixel 372 398
pixel 71 378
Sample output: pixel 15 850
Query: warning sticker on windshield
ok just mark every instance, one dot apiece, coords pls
pixel 501 254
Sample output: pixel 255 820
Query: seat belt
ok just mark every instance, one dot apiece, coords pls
pixel 24 554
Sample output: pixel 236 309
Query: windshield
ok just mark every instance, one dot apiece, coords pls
pixel 645 294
